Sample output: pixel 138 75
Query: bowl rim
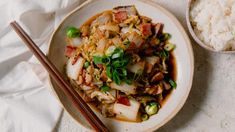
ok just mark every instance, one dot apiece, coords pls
pixel 193 34
pixel 189 48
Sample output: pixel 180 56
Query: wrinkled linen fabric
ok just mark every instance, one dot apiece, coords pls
pixel 27 103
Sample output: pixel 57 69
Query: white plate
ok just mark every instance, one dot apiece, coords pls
pixel 183 54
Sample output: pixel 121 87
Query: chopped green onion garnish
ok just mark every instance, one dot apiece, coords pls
pixel 119 52
pixel 106 60
pixel 164 54
pixel 116 77
pixel 153 103
pixel 108 72
pixel 125 60
pixel 110 50
pixel 152 108
pixel 105 88
pixel 144 117
pixel 165 36
pixel 172 83
pixel 86 64
pixel 115 64
pixel 127 43
pixel 128 81
pixel 122 72
pixel 116 55
pixel 73 32
pixel 97 60
pixel 169 47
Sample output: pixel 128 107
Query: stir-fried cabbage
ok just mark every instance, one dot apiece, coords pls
pixel 122 61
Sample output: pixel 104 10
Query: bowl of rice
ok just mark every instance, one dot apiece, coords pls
pixel 212 24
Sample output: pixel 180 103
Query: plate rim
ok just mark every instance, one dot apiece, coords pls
pixel 185 37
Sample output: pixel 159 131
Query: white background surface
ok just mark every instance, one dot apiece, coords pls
pixel 27 103
pixel 210 106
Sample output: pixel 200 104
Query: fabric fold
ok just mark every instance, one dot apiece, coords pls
pixel 27 101
pixel 26 105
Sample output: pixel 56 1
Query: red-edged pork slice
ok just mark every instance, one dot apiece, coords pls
pixel 146 29
pixel 121 13
pixel 120 16
pixel 69 51
pixel 130 10
pixel 136 39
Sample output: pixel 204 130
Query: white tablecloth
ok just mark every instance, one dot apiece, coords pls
pixel 27 102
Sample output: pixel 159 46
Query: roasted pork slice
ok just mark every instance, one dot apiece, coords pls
pixel 121 13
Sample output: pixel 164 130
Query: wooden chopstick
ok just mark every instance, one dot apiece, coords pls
pixel 75 98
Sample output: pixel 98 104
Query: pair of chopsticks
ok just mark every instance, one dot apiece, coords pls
pixel 74 97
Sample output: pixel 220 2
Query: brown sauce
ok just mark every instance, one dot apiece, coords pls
pixel 173 75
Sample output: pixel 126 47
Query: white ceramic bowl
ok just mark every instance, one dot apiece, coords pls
pixel 183 54
pixel 193 34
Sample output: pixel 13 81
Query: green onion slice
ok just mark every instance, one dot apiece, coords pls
pixel 73 32
pixel 86 64
pixel 172 83
pixel 105 88
pixel 169 47
pixel 109 71
pixel 97 60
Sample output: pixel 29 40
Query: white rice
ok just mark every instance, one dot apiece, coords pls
pixel 214 23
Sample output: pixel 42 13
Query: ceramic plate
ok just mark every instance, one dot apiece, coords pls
pixel 193 34
pixel 183 55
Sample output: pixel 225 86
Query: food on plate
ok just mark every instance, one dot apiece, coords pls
pixel 214 23
pixel 122 63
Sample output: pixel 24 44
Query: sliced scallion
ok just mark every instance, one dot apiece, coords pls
pixel 110 50
pixel 73 32
pixel 164 54
pixel 172 83
pixel 97 60
pixel 116 77
pixel 128 81
pixel 152 108
pixel 106 60
pixel 108 71
pixel 144 117
pixel 86 64
pixel 169 47
pixel 105 88
pixel 127 43
pixel 116 55
pixel 165 37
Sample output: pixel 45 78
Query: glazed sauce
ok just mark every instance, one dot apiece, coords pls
pixel 173 75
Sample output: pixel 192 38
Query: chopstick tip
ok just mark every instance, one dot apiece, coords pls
pixel 13 22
